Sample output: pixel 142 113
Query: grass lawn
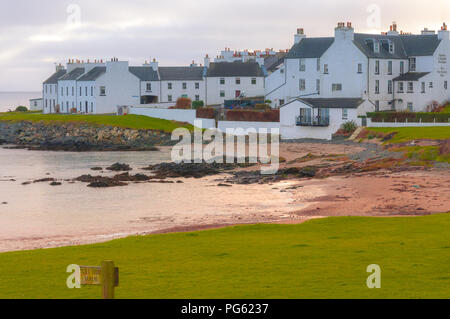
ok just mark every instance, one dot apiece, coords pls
pixel 128 121
pixel 324 258
pixel 405 134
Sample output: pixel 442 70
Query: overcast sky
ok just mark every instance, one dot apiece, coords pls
pixel 36 34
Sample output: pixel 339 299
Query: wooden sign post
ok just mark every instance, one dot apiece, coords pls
pixel 106 276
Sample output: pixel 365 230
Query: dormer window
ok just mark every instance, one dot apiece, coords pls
pixel 391 47
pixel 376 47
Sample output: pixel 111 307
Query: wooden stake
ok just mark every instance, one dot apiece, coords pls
pixel 108 279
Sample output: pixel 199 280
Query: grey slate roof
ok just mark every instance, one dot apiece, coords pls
pixel 404 45
pixel 73 75
pixel 54 78
pixel 93 74
pixel 238 68
pixel 411 76
pixel 144 73
pixel 310 48
pixel 187 73
pixel 272 62
pixel 333 103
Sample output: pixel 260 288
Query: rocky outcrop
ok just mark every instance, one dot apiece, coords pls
pixel 80 137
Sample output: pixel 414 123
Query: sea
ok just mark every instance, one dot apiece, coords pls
pixel 11 100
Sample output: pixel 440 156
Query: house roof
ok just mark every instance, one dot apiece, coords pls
pixel 55 77
pixel 404 45
pixel 73 75
pixel 237 68
pixel 93 74
pixel 330 103
pixel 188 73
pixel 310 48
pixel 144 73
pixel 272 62
pixel 411 76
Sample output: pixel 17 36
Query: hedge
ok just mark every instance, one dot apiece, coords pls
pixel 253 116
pixel 413 117
pixel 206 113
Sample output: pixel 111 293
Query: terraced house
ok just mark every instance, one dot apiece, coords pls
pixel 390 71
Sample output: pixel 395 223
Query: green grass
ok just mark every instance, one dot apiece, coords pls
pixel 424 154
pixel 405 134
pixel 324 258
pixel 129 121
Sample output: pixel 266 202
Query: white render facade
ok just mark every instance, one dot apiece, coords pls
pixel 378 69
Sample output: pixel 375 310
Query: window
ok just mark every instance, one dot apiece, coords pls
pixel 302 65
pixel 325 68
pixel 336 87
pixel 400 87
pixel 377 67
pixel 376 47
pixel 92 91
pixel 412 64
pixel 390 67
pixel 197 97
pixel 402 67
pixel 222 81
pixel 80 90
pixel 73 91
pixel 423 87
pixel 360 68
pixel 254 81
pixel 377 106
pixel 149 87
pixel 45 86
pixel 377 86
pixel 67 91
pixel 169 86
pixel 281 102
pixel 222 93
pixel 62 91
pixel 445 85
pixel 238 81
pixel 410 107
pixel 318 65
pixel 318 86
pixel 302 85
pixel 391 47
pixel 102 91
pixel 92 107
pixel 86 90
pixel 345 114
pixel 184 85
pixel 50 89
pixel 169 98
pixel 410 87
pixel 390 87
pixel 197 85
pixel 431 85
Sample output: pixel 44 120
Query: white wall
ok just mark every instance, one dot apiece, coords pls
pixel 36 105
pixel 403 124
pixel 224 125
pixel 177 90
pixel 290 130
pixel 187 116
pixel 50 95
pixel 230 87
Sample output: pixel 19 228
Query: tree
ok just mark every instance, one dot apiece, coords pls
pixel 21 109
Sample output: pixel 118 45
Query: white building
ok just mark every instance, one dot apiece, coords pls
pixel 36 104
pixel 387 71
pixel 50 90
pixel 186 82
pixel 232 80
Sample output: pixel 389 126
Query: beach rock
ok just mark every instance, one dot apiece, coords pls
pixel 55 184
pixel 26 183
pixel 106 182
pixel 126 177
pixel 118 167
pixel 96 169
pixel 43 180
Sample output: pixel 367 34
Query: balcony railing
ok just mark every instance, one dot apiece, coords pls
pixel 317 121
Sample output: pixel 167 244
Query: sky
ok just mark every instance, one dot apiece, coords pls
pixel 34 35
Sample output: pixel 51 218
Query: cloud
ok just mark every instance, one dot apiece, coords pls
pixel 36 33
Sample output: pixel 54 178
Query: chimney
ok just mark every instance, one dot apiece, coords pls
pixel 299 36
pixel 393 29
pixel 207 61
pixel 444 34
pixel 59 67
pixel 428 32
pixel 154 65
pixel 343 32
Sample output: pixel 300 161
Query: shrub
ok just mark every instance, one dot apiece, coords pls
pixel 416 117
pixel 349 127
pixel 197 104
pixel 253 116
pixel 21 109
pixel 206 113
pixel 268 101
pixel 183 103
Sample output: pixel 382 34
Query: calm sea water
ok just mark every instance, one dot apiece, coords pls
pixel 11 100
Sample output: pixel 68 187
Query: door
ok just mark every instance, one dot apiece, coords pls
pixel 87 111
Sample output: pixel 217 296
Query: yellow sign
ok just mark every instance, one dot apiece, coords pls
pixel 90 276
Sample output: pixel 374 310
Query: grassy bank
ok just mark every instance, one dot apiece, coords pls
pixel 319 259
pixel 129 121
pixel 405 134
